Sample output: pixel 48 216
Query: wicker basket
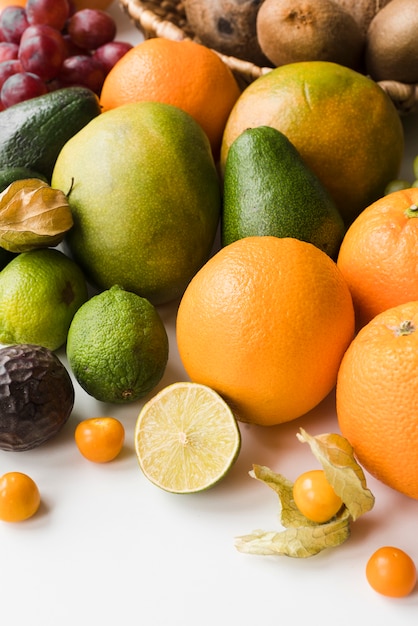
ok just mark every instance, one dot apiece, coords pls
pixel 166 18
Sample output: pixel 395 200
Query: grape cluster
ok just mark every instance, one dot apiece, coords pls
pixel 47 45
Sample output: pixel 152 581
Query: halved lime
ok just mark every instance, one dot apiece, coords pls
pixel 186 438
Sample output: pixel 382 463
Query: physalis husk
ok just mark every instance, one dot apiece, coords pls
pixel 301 537
pixel 33 215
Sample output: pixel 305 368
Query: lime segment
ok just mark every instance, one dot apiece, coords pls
pixel 186 438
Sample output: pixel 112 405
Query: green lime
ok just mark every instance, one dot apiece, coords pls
pixel 186 438
pixel 117 346
pixel 40 291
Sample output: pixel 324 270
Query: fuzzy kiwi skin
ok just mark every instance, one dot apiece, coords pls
pixel 229 26
pixel 363 11
pixel 392 43
pixel 290 31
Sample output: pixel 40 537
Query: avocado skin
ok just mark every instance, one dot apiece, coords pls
pixel 9 175
pixel 33 132
pixel 269 190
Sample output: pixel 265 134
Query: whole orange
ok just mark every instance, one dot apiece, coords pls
pixel 376 397
pixel 379 255
pixel 343 124
pixel 7 3
pixel 265 322
pixel 183 73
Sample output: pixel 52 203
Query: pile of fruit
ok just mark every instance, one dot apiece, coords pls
pixel 48 44
pixel 310 292
pixel 375 37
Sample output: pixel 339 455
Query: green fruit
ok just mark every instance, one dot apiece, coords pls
pixel 36 396
pixel 145 198
pixel 186 438
pixel 268 190
pixel 9 175
pixel 33 132
pixel 40 291
pixel 117 346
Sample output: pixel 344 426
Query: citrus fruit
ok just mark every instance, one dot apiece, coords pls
pixel 376 393
pixel 343 124
pixel 378 256
pixel 265 322
pixel 145 197
pixel 15 3
pixel 183 73
pixel 40 291
pixel 19 497
pixel 186 438
pixel 117 346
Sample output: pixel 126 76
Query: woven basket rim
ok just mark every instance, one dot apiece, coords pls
pixel 167 19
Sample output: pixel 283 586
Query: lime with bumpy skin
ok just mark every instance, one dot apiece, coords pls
pixel 40 290
pixel 117 346
pixel 186 438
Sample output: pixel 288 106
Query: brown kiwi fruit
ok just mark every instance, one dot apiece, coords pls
pixel 229 26
pixel 363 11
pixel 290 31
pixel 392 43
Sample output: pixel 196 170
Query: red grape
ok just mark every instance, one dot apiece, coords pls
pixel 49 44
pixel 20 87
pixel 8 51
pixel 82 69
pixel 8 68
pixel 110 53
pixel 91 28
pixel 72 48
pixel 42 55
pixel 55 13
pixel 44 30
pixel 13 22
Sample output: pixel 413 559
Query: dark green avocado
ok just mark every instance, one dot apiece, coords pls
pixel 33 132
pixel 269 190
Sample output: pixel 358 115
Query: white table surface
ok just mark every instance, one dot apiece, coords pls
pixel 107 547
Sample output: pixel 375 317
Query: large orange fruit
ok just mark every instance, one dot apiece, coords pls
pixel 343 124
pixel 265 322
pixel 183 73
pixel 377 391
pixel 15 3
pixel 379 255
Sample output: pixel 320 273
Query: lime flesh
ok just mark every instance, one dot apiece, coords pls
pixel 186 438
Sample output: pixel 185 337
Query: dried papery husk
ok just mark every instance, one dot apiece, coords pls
pixel 33 215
